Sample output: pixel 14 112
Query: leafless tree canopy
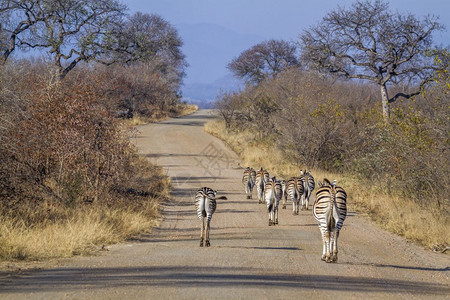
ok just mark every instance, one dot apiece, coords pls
pixel 144 38
pixel 367 41
pixel 72 31
pixel 264 60
pixel 90 30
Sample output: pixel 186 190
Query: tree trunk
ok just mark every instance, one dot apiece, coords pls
pixel 385 103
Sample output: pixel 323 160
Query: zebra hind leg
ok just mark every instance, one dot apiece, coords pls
pixel 328 246
pixel 207 244
pixel 202 232
pixel 324 244
pixel 334 256
pixel 276 216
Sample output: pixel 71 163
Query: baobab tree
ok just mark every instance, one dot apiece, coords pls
pixel 369 42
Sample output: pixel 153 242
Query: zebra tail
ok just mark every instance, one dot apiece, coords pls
pixel 331 222
pixel 269 209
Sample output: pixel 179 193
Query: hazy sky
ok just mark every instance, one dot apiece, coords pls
pixel 283 19
pixel 279 19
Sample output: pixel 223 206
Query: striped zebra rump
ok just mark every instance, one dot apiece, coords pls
pixel 295 190
pixel 308 187
pixel 273 192
pixel 330 211
pixel 248 180
pixel 262 176
pixel 205 203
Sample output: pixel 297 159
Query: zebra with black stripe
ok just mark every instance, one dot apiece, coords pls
pixel 272 194
pixel 248 180
pixel 262 176
pixel 205 203
pixel 330 210
pixel 295 190
pixel 308 187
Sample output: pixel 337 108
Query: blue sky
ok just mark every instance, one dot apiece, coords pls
pixel 261 19
pixel 283 19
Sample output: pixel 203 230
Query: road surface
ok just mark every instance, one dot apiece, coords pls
pixel 247 258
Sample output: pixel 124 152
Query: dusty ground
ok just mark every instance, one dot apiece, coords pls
pixel 247 259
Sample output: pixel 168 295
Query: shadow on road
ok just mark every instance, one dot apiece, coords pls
pixel 186 276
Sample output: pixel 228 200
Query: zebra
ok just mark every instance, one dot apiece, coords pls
pixel 262 176
pixel 272 194
pixel 248 180
pixel 308 186
pixel 205 202
pixel 330 210
pixel 295 190
pixel 284 198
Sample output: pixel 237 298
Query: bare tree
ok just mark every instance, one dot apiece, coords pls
pixel 228 105
pixel 264 60
pixel 26 14
pixel 367 41
pixel 72 31
pixel 144 38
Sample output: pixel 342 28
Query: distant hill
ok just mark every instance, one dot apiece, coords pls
pixel 209 48
pixel 203 94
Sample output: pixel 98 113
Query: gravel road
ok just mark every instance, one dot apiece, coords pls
pixel 247 259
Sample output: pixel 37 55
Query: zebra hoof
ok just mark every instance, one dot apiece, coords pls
pixel 207 244
pixel 334 258
pixel 323 258
pixel 201 244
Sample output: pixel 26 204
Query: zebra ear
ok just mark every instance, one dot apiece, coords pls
pixel 326 182
pixel 301 172
pixel 319 184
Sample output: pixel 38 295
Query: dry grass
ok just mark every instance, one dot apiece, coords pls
pixel 180 110
pixel 44 231
pixel 84 232
pixel 187 109
pixel 426 226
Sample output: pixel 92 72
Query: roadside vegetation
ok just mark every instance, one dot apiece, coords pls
pixel 389 153
pixel 70 180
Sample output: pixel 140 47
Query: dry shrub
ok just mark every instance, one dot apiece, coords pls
pixel 325 124
pixel 69 176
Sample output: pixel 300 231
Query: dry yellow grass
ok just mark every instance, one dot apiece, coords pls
pixel 82 233
pixel 426 226
pixel 181 110
pixel 47 231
